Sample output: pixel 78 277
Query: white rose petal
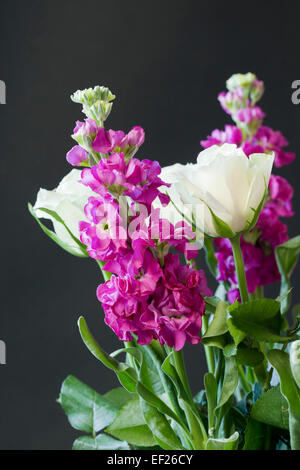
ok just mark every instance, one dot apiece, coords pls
pixel 224 181
pixel 68 201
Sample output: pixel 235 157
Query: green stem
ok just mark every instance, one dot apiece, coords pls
pixel 244 379
pixel 250 375
pixel 220 370
pixel 208 350
pixel 239 266
pixel 181 370
pixel 196 425
pixel 129 357
pixel 259 293
pixel 267 385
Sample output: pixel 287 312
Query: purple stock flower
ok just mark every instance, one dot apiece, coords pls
pixel 273 231
pixel 178 304
pixel 231 100
pixel 171 311
pixel 231 135
pixel 106 141
pixel 104 234
pixel 77 155
pixel 125 310
pixel 138 179
pixel 274 141
pixel 136 136
pixel 281 194
pixel 268 140
pixel 247 115
pixel 88 127
pixel 117 141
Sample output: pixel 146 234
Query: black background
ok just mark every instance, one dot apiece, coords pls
pixel 166 61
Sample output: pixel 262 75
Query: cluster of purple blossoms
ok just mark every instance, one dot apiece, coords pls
pixel 258 246
pixel 159 302
pixel 149 294
pixel 93 139
pixel 138 179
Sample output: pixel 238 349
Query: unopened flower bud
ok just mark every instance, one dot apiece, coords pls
pixel 96 102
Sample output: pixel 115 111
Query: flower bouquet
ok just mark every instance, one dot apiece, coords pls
pixel 144 226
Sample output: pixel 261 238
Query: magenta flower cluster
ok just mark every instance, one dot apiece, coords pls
pixel 92 138
pixel 258 246
pixel 138 179
pixel 149 293
pixel 158 302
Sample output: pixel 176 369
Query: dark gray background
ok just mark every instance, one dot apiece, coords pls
pixel 166 61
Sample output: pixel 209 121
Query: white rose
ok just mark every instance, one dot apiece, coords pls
pixel 223 190
pixel 169 174
pixel 68 201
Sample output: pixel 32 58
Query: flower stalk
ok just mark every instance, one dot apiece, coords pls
pixel 240 269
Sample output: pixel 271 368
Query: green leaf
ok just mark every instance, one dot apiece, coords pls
pixel 260 319
pixel 295 361
pixel 258 310
pixel 296 312
pixel 125 373
pixel 86 409
pixel 57 217
pixel 149 397
pixel 118 397
pixel 286 257
pixel 81 253
pixel 217 341
pixel 271 408
pixel 196 427
pixel 231 443
pixel 230 350
pixel 249 356
pixel 146 390
pixel 255 435
pixel 237 335
pixel 101 442
pixel 217 327
pixel 211 304
pixel 197 431
pixel 94 347
pixel 168 368
pixel 222 228
pixel 160 427
pixel 211 388
pixel 210 257
pixel 132 351
pixel 153 361
pixel 280 361
pixel 230 382
pixel 130 425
